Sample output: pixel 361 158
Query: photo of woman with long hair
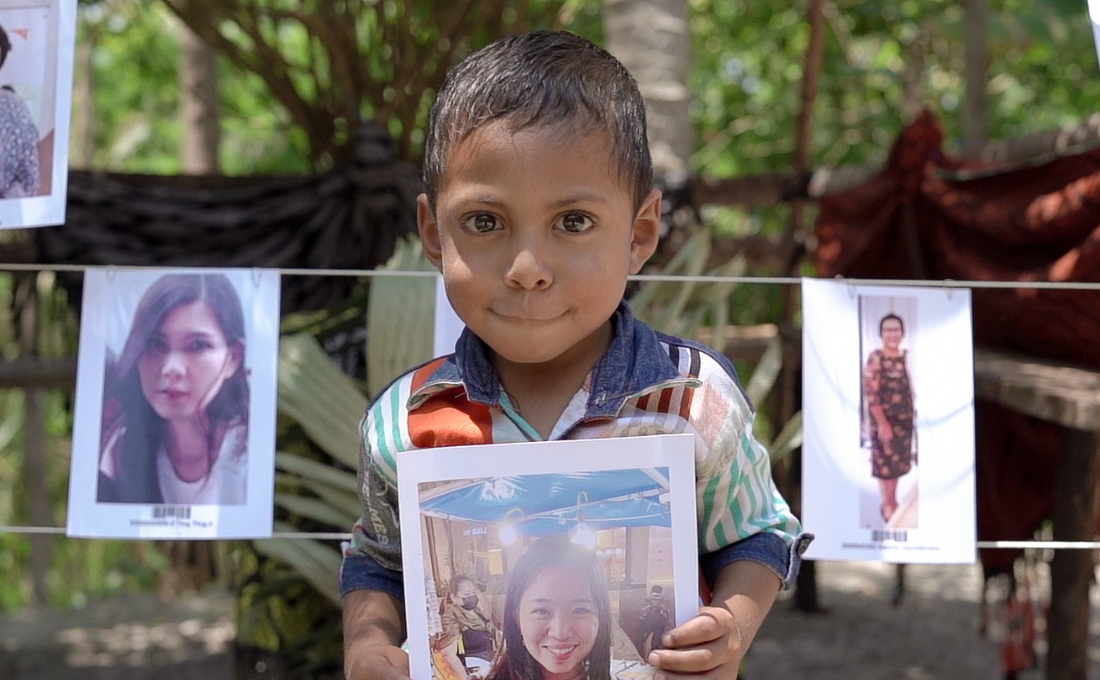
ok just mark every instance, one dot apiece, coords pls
pixel 176 400
pixel 18 136
pixel 557 615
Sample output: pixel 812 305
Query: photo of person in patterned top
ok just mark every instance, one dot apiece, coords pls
pixel 889 413
pixel 18 137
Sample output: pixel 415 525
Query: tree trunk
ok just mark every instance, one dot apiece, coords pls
pixel 976 29
pixel 199 109
pixel 793 249
pixel 1071 571
pixel 652 39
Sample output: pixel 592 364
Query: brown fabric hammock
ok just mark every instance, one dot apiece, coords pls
pixel 347 218
pixel 927 215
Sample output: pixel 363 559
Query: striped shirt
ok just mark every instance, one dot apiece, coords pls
pixel 646 383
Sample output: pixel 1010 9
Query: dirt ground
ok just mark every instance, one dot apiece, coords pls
pixel 932 635
pixel 135 637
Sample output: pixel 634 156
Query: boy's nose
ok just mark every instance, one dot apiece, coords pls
pixel 528 271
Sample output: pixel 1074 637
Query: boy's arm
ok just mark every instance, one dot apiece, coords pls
pixel 373 629
pixel 370 576
pixel 715 641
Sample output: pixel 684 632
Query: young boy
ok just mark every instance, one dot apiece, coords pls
pixel 539 203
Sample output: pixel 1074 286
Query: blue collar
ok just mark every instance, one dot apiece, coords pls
pixel 634 363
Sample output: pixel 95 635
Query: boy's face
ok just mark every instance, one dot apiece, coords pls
pixel 535 237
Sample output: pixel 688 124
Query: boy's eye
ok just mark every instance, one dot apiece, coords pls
pixel 575 223
pixel 481 223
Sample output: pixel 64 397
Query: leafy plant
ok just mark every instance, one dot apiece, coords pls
pixel 701 310
pixel 316 483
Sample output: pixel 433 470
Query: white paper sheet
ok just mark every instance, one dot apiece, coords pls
pixel 437 544
pixel 39 73
pixel 243 509
pixel 1094 17
pixel 843 503
pixel 447 324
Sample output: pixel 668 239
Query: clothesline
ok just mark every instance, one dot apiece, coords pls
pixel 681 278
pixel 338 536
pixel 675 278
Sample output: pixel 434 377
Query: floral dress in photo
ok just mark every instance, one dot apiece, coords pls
pixel 886 384
pixel 18 147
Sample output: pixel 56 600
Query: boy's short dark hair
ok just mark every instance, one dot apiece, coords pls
pixel 542 78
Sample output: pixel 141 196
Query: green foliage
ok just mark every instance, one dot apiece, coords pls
pixel 749 60
pixel 295 116
pixel 290 603
pixel 746 76
pixel 136 99
pixel 330 65
pixel 686 308
pixel 282 613
pixel 135 89
pixel 400 317
pixel 1043 71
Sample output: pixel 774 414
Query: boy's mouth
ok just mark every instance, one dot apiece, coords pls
pixel 521 315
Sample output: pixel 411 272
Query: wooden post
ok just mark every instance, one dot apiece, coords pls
pixel 1069 396
pixel 1071 570
pixel 793 249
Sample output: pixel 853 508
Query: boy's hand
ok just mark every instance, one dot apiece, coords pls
pixel 710 644
pixel 373 626
pixel 376 661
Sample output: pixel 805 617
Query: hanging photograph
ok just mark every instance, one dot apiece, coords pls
pixel 888 423
pixel 174 427
pixel 600 531
pixel 37 39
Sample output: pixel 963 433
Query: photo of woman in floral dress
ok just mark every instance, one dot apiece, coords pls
pixel 888 403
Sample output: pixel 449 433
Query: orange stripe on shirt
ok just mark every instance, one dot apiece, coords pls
pixel 421 375
pixel 447 420
pixel 665 401
pixel 685 402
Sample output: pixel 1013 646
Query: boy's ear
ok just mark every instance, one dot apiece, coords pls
pixel 429 232
pixel 647 231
